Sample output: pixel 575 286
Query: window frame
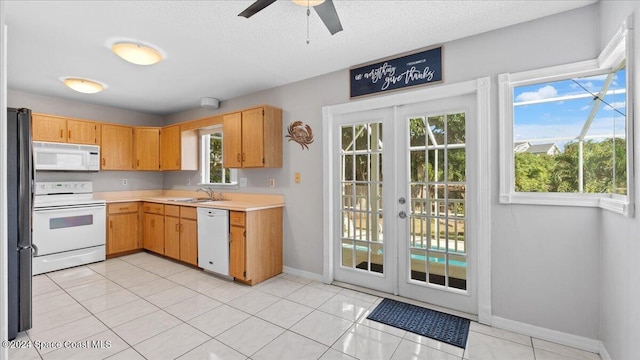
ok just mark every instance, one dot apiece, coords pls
pixel 619 49
pixel 205 161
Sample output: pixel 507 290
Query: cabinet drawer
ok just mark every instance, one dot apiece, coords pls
pixel 172 210
pixel 188 212
pixel 122 208
pixel 236 218
pixel 153 208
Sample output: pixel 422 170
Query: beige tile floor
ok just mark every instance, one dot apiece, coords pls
pixel 143 306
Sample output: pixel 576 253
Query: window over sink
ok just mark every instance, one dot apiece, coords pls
pixel 211 155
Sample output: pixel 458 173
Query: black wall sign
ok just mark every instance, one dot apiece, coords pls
pixel 420 68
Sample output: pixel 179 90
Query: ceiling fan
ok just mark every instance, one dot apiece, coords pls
pixel 325 9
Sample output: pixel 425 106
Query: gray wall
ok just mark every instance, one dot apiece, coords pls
pixel 303 213
pixel 619 240
pixel 103 180
pixel 544 258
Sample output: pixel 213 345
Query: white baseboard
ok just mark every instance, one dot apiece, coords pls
pixel 302 273
pixel 559 337
pixel 604 355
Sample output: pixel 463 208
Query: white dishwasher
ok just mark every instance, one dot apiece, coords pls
pixel 213 240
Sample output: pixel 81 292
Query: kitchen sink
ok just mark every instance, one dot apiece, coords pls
pixel 195 200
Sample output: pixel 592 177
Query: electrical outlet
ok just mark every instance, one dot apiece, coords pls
pixel 124 182
pixel 189 181
pixel 272 183
pixel 243 182
pixel 297 178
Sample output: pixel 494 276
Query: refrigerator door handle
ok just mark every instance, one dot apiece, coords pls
pixel 34 249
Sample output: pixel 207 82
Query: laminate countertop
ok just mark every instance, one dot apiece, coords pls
pixel 232 201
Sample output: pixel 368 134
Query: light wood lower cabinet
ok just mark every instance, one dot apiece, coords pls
pixel 255 248
pixel 181 233
pixel 123 233
pixel 153 227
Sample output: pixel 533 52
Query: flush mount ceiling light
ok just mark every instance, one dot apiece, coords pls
pixel 136 53
pixel 311 3
pixel 83 85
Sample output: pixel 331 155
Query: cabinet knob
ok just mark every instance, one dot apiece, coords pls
pixel 239 157
pixel 69 134
pixel 104 161
pixel 243 158
pixel 61 133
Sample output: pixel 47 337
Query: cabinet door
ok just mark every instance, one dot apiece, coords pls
pixel 189 241
pixel 48 128
pixel 117 147
pixel 252 138
pixel 82 132
pixel 123 233
pixel 232 144
pixel 237 252
pixel 153 229
pixel 170 155
pixel 147 148
pixel 172 237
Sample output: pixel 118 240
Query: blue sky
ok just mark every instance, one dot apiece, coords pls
pixel 566 117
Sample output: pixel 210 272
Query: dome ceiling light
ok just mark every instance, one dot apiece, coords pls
pixel 84 86
pixel 137 53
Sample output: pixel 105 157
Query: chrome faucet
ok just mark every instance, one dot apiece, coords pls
pixel 210 192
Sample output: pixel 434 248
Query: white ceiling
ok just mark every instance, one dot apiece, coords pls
pixel 211 52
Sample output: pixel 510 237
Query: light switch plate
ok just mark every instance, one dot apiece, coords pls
pixel 243 182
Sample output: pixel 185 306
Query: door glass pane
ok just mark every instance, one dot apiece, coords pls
pixel 437 220
pixel 418 265
pixel 362 186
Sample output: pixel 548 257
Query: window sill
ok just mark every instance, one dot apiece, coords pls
pixel 617 205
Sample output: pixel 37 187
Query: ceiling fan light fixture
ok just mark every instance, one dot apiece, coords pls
pixel 136 53
pixel 311 3
pixel 84 86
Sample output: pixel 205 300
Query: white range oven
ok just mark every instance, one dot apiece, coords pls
pixel 69 226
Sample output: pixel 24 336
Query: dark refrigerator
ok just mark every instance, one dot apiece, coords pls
pixel 20 177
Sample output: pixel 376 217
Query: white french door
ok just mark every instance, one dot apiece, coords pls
pixel 400 201
pixel 363 159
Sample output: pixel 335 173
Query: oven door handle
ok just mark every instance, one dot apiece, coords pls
pixel 67 208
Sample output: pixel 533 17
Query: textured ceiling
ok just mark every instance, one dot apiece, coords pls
pixel 211 52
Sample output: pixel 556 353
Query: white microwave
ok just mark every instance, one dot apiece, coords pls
pixel 66 157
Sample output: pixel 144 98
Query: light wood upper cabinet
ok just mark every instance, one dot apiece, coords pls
pixel 122 228
pixel 170 157
pixel 83 132
pixel 253 138
pixel 178 149
pixel 48 128
pixel 147 148
pixel 232 140
pixel 117 147
pixel 60 129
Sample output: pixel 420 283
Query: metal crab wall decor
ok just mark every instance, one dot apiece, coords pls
pixel 302 134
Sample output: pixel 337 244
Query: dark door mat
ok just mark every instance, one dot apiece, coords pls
pixel 437 325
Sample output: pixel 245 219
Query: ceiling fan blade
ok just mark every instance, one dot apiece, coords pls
pixel 329 15
pixel 256 7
